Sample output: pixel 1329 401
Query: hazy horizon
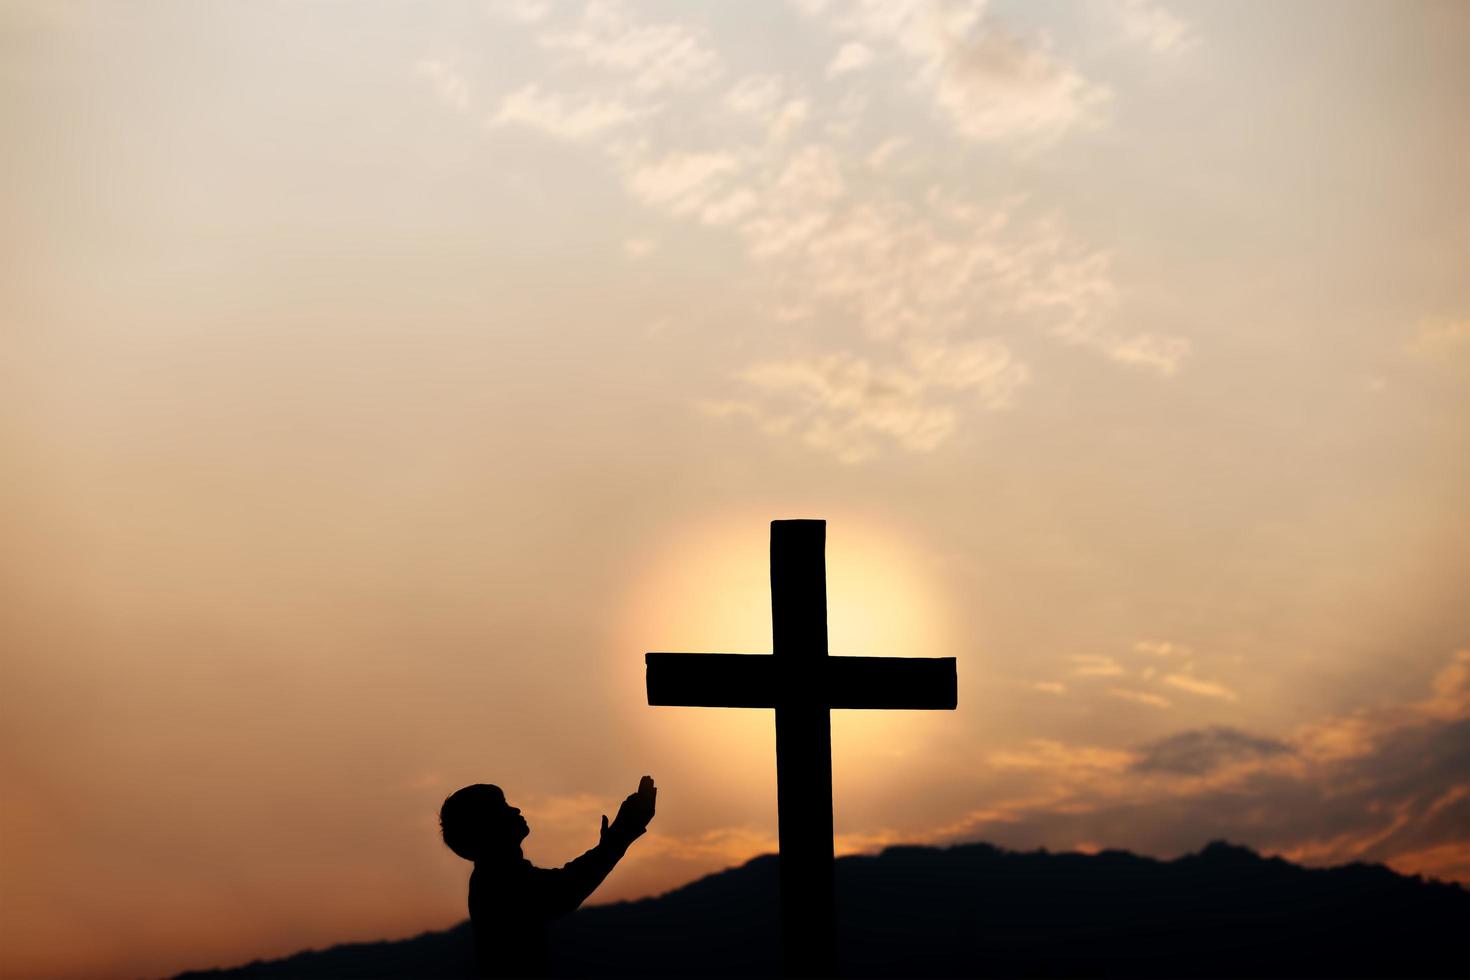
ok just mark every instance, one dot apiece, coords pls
pixel 384 380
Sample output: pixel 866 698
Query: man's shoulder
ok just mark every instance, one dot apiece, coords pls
pixel 498 875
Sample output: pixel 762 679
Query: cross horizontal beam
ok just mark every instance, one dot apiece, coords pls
pixel 739 680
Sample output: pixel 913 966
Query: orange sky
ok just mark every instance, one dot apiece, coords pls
pixel 382 381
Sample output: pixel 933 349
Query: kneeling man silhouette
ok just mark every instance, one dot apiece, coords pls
pixel 511 900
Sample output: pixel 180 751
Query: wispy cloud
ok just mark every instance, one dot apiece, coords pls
pixel 564 117
pixel 1000 87
pixel 1438 335
pixel 924 280
pixel 1194 685
pixel 1140 697
pixel 1140 681
pixel 1161 354
pixel 520 11
pixel 681 182
pixel 844 404
pixel 990 84
pixel 1161 648
pixel 720 847
pixel 638 248
pixel 1054 756
pixel 852 56
pixel 1152 25
pixel 1095 665
pixel 651 57
pixel 451 86
pixel 883 154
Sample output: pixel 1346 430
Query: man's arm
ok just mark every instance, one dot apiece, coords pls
pixel 568 886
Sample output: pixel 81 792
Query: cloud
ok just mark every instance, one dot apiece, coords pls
pixel 869 842
pixel 990 84
pixel 755 96
pixel 906 269
pixel 984 367
pixel 846 405
pixel 681 182
pixel 922 278
pixel 1161 648
pixel 884 153
pixel 520 11
pixel 1095 665
pixel 651 57
pixel 1149 24
pixel 449 84
pixel 1160 354
pixel 1406 796
pixel 1205 750
pixel 1092 665
pixel 1208 689
pixel 1358 735
pixel 1450 699
pixel 565 118
pixel 788 120
pixel 577 809
pixel 635 64
pixel 1054 756
pixel 852 56
pixel 1074 289
pixel 638 248
pixel 1446 862
pixel 721 847
pixel 1440 335
pixel 1140 697
pixel 999 87
pixel 1387 783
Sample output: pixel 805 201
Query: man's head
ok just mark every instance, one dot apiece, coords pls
pixel 477 823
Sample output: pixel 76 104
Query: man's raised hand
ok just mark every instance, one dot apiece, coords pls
pixel 633 814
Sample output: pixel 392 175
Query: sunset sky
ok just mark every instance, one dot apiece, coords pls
pixel 382 380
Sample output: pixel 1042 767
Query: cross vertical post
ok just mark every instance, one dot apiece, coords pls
pixel 803 748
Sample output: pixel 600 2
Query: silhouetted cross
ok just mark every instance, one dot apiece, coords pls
pixel 802 683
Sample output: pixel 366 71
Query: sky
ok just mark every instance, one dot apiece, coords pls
pixel 382 380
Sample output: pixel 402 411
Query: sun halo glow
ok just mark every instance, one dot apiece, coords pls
pixel 708 591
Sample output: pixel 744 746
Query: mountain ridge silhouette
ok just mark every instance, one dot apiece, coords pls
pixel 978 910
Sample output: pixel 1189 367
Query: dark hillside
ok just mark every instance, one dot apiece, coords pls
pixel 978 911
